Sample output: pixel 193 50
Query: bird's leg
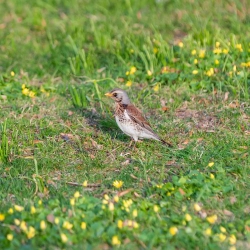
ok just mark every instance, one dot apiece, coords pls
pixel 131 142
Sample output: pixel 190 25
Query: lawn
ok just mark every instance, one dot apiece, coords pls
pixel 68 178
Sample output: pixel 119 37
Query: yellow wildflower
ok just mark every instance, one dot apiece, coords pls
pixel 131 51
pixel 135 213
pixel 156 209
pixel 111 206
pixel 104 202
pixel 23 86
pixel 202 53
pixel 208 231
pixel 210 164
pixel 72 202
pixel 180 44
pixel 17 222
pixel 116 241
pixel 210 72
pixel 216 62
pixel 77 194
pixel 193 52
pixel 57 221
pixel 119 224
pixel 117 184
pixel 2 217
pixel 12 73
pixel 195 72
pixel 127 73
pixel 18 208
pixel 222 237
pixel 223 229
pixel 239 47
pixel 67 225
pixel 129 83
pixel 173 230
pixel 116 198
pixel 85 183
pixel 42 225
pixel 234 68
pixel 135 224
pixel 232 248
pixel 32 210
pixel 132 70
pixel 149 73
pixel 9 237
pixel 197 207
pixel 217 51
pixel 156 88
pixel 212 219
pixel 64 238
pixel 195 61
pixel 155 50
pixel 11 211
pixel 211 176
pixel 217 44
pixel 106 197
pixel 30 232
pixel 225 51
pixel 32 94
pixel 232 239
pixel 83 225
pixel 188 217
pixel 23 226
pixel 25 91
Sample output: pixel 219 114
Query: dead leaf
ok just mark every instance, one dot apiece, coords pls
pixel 228 213
pixel 226 96
pixel 37 141
pixel 134 177
pixel 137 195
pixel 164 108
pixel 182 192
pixel 50 218
pixel 233 199
pixel 122 193
pixel 125 163
pixel 70 113
pixel 234 104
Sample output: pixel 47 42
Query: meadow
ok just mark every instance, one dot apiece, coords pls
pixel 68 178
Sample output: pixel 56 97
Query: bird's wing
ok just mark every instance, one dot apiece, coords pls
pixel 136 115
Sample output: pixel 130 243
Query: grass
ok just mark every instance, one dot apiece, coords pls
pixel 189 73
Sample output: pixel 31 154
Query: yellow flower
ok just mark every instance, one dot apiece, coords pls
pixel 32 94
pixel 32 210
pixel 30 232
pixel 208 231
pixel 127 73
pixel 210 72
pixel 216 62
pixel 67 225
pixel 232 248
pixel 232 239
pixel 156 209
pixel 225 51
pixel 195 61
pixel 116 198
pixel 2 217
pixel 12 73
pixel 155 50
pixel 85 183
pixel 40 202
pixel 9 237
pixel 25 91
pixel 135 213
pixel 197 207
pixel 106 197
pixel 64 238
pixel 77 194
pixel 195 72
pixel 111 206
pixel 188 217
pixel 83 225
pixel 129 83
pixel 116 241
pixel 180 44
pixel 217 51
pixel 119 224
pixel 72 202
pixel 202 53
pixel 156 88
pixel 173 230
pixel 211 176
pixel 217 44
pixel 212 219
pixel 223 229
pixel 57 221
pixel 239 47
pixel 10 211
pixel 117 184
pixel 193 52
pixel 243 64
pixel 222 237
pixel 234 68
pixel 23 226
pixel 18 208
pixel 210 164
pixel 42 225
pixel 23 86
pixel 135 224
pixel 104 202
pixel 132 70
pixel 149 73
pixel 17 222
pixel 132 51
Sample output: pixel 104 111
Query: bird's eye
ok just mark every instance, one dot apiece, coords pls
pixel 115 95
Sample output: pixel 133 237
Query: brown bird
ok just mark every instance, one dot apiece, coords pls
pixel 130 119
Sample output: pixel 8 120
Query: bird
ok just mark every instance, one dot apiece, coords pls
pixel 130 119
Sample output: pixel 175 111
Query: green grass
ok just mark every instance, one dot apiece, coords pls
pixel 57 129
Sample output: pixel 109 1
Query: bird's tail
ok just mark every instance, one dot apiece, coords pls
pixel 166 143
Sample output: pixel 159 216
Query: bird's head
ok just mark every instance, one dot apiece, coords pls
pixel 119 96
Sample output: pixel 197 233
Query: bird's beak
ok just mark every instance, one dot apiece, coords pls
pixel 108 94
